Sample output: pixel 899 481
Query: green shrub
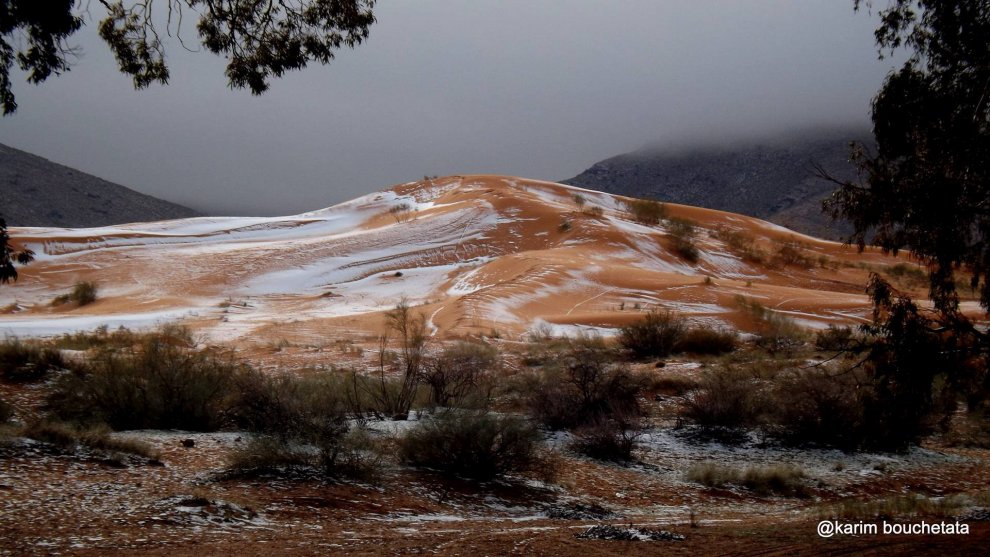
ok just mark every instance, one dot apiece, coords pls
pixel 82 293
pixel 24 362
pixel 707 341
pixel 646 211
pixel 163 384
pixel 473 444
pixel 655 335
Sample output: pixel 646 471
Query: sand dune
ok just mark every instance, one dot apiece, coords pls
pixel 479 254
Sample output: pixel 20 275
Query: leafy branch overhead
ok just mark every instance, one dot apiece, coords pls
pixel 260 39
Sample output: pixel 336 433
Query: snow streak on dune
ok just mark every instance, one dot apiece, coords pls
pixel 478 253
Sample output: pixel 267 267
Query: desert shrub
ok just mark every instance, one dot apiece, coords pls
pixel 726 400
pixel 740 243
pixel 70 437
pixel 471 443
pixel 785 480
pixel 23 362
pixel 818 407
pixel 584 388
pixel 579 200
pixel 82 293
pixel 683 232
pixel 606 439
pixel 101 337
pixel 655 335
pixel 780 479
pixel 391 397
pixel 646 211
pixel 565 225
pixel 897 506
pixel 348 454
pixel 292 407
pixel 594 211
pixel 400 212
pixel 838 339
pixel 460 375
pixel 791 252
pixel 912 275
pixel 162 384
pixel 776 332
pixel 706 341
pixel 268 454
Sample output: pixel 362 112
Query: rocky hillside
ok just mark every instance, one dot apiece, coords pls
pixel 37 192
pixel 773 180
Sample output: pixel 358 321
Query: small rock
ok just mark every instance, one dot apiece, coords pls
pixel 188 443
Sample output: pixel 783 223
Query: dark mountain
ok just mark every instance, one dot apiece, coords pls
pixel 773 180
pixel 37 192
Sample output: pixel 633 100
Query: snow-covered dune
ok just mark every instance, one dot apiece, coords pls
pixel 478 253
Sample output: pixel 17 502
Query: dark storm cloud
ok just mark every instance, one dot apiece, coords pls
pixel 537 89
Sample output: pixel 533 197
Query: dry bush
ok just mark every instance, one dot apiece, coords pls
pixel 394 398
pixel 683 233
pixel 777 333
pixel 351 454
pixel 471 443
pixel 741 243
pixel 779 479
pixel 585 387
pixel 898 506
pixel 83 293
pixel 594 211
pixel 819 407
pixel 22 362
pixel 713 342
pixel 100 337
pixel 726 400
pixel 655 335
pixel 792 253
pixel 837 339
pixel 646 211
pixel 610 439
pixel 461 375
pixel 163 384
pixel 71 437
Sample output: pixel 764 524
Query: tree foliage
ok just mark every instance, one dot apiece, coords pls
pixel 260 39
pixel 926 189
pixel 927 186
pixel 9 256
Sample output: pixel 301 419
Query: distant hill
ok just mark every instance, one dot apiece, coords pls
pixel 774 180
pixel 37 192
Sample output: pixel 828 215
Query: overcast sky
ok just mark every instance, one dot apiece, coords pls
pixel 536 89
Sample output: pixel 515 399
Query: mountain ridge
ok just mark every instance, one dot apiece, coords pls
pixel 35 191
pixel 773 179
